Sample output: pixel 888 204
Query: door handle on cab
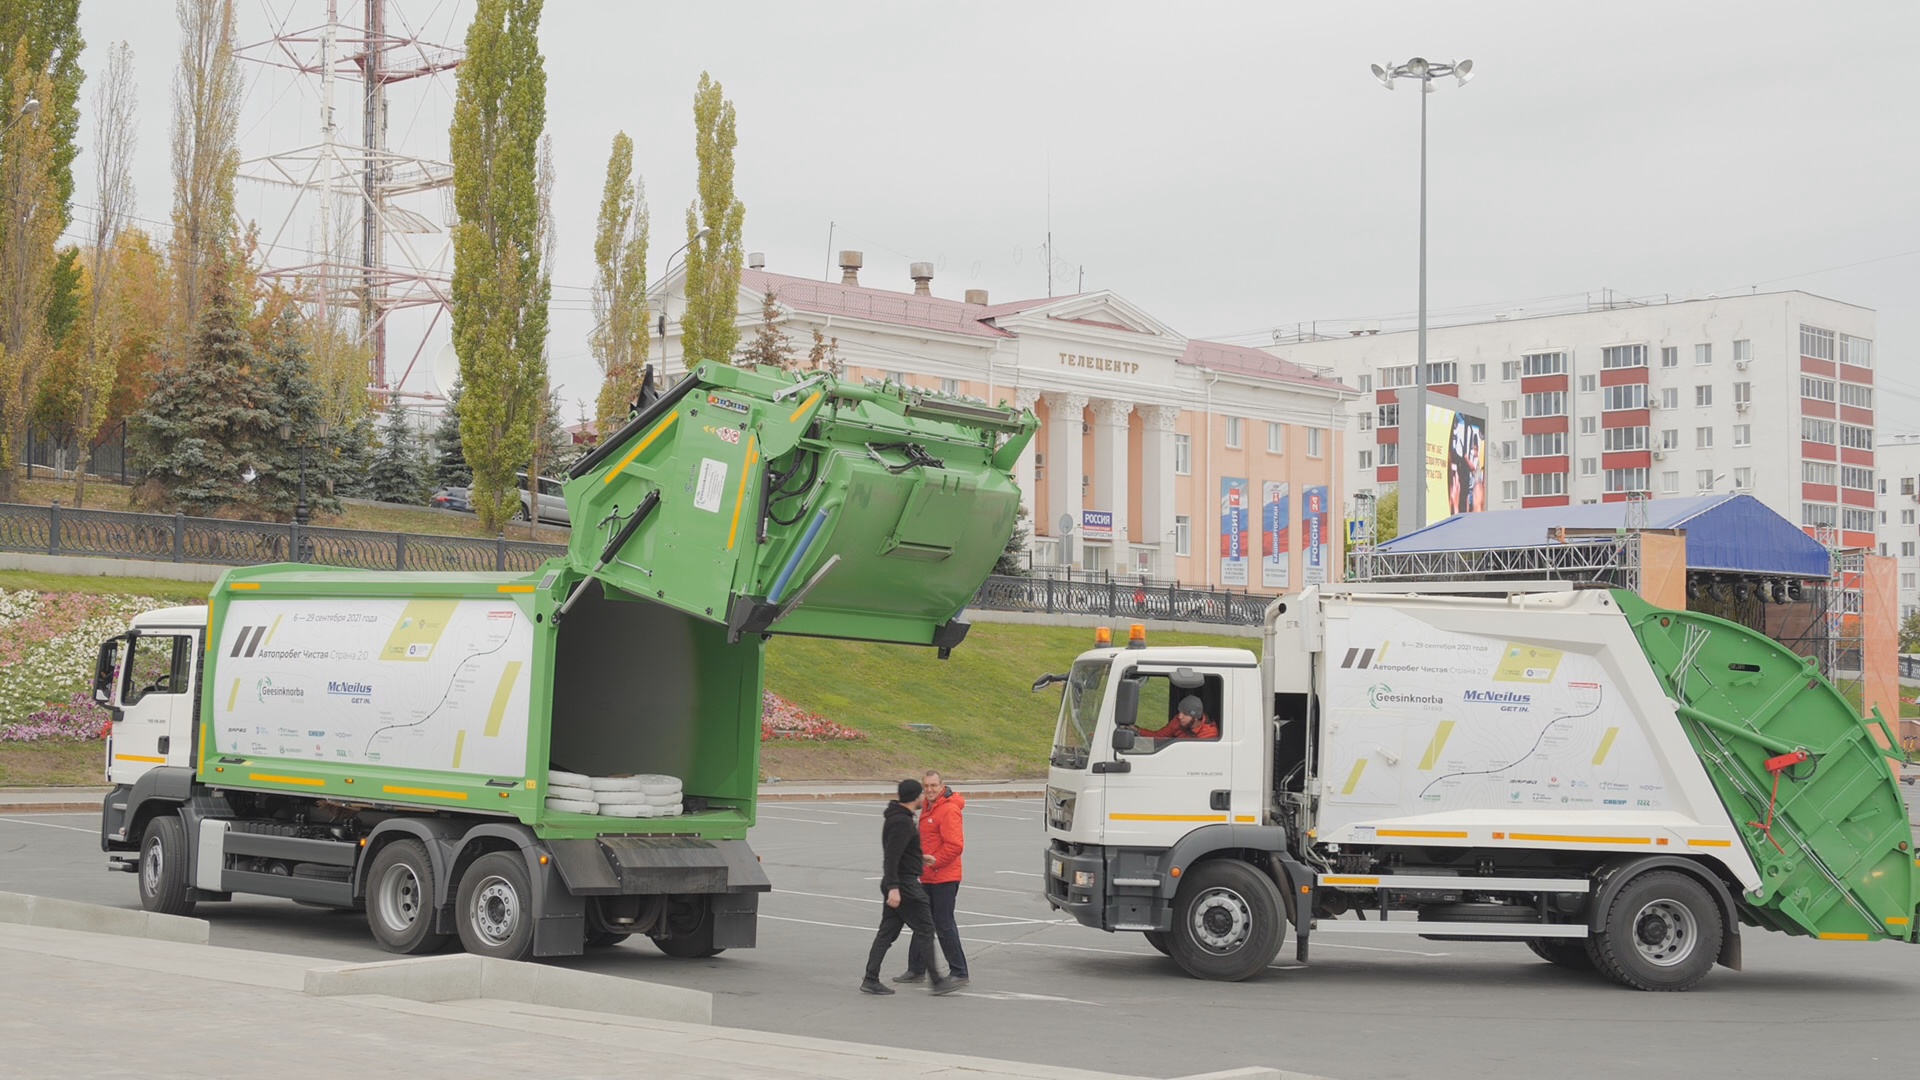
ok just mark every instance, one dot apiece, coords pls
pixel 1219 800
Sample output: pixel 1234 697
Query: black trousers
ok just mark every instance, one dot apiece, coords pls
pixel 942 896
pixel 913 913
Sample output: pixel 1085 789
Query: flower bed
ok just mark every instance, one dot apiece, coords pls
pixel 781 719
pixel 47 646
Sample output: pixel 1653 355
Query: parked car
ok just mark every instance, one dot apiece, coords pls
pixel 552 502
pixel 452 498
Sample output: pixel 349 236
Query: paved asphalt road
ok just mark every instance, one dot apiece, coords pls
pixel 1054 992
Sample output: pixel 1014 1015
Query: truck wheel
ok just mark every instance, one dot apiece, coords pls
pixel 1662 932
pixel 1227 921
pixel 1158 939
pixel 600 939
pixel 163 867
pixel 400 899
pixel 1569 953
pixel 689 931
pixel 494 910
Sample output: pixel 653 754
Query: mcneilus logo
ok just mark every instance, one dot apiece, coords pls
pixel 1381 696
pixel 1508 700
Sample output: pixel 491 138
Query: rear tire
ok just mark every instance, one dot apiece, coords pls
pixel 690 926
pixel 1569 953
pixel 601 939
pixel 400 891
pixel 163 867
pixel 1227 921
pixel 494 910
pixel 1661 932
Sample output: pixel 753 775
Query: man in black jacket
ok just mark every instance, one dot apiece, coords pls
pixel 907 903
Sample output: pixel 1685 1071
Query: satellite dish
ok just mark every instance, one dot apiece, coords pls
pixel 1066 524
pixel 446 369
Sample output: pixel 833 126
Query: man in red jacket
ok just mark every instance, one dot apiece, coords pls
pixel 943 838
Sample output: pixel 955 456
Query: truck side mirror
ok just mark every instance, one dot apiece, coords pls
pixel 1123 738
pixel 104 665
pixel 1126 704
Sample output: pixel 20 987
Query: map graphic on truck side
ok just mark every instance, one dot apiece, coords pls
pixel 420 684
pixel 1425 720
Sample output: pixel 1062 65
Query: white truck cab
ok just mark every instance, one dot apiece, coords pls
pixel 148 680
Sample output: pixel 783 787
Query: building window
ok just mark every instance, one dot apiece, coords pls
pixel 1625 438
pixel 897 378
pixel 1854 520
pixel 1702 396
pixel 1817 472
pixel 1276 438
pixel 1819 515
pixel 1743 434
pixel 1477 372
pixel 1906 517
pixel 950 387
pixel 1670 356
pixel 1093 558
pixel 1315 439
pixel 1366 459
pixel 1743 393
pixel 1366 420
pixel 1906 581
pixel 1703 438
pixel 1392 377
pixel 1816 343
pixel 1509 490
pixel 1390 415
pixel 1856 438
pixel 1670 398
pixel 1703 479
pixel 1544 363
pixel 1549 403
pixel 1860 397
pixel 1589 425
pixel 1509 409
pixel 1588 383
pixel 1536 484
pixel 1630 396
pixel 1670 483
pixel 1816 389
pixel 1855 477
pixel 1182 535
pixel 1389 453
pixel 1183 455
pixel 1818 431
pixel 1546 444
pixel 1669 438
pixel 1743 479
pixel 1443 373
pixel 1589 466
pixel 1233 433
pixel 1509 370
pixel 1743 351
pixel 1856 351
pixel 1506 450
pixel 1623 356
pixel 1702 355
pixel 1906 549
pixel 1906 487
pixel 1366 383
pixel 1618 480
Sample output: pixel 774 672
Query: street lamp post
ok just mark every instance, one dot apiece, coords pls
pixel 302 513
pixel 1425 71
pixel 28 108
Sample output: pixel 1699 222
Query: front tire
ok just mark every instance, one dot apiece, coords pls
pixel 163 867
pixel 1662 932
pixel 494 910
pixel 1158 939
pixel 400 891
pixel 1569 953
pixel 1227 921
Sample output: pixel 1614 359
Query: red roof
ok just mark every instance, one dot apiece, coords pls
pixel 1240 360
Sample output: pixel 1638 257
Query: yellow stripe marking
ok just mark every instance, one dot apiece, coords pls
pixel 1549 838
pixel 205 720
pixel 639 446
pixel 392 789
pixel 1709 843
pixel 498 710
pixel 805 405
pixel 271 630
pixel 1349 881
pixel 1845 937
pixel 1353 778
pixel 459 745
pixel 1898 920
pixel 1439 743
pixel 1243 818
pixel 244 586
pixel 233 695
pixel 1166 817
pixel 140 757
pixel 740 495
pixel 302 781
pixel 1606 746
pixel 1424 834
pixel 515 588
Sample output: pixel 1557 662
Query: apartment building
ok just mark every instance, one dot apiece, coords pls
pixel 1899 459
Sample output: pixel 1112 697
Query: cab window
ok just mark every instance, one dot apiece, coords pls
pixel 156 664
pixel 1159 727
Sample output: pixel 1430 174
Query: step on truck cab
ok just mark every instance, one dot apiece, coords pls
pixel 542 762
pixel 1616 786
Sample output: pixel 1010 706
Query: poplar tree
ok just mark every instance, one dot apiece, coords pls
pixel 206 155
pixel 619 338
pixel 500 288
pixel 49 31
pixel 708 328
pixel 31 217
pixel 108 325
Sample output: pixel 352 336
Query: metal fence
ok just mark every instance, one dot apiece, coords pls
pixel 1910 667
pixel 56 530
pixel 1120 599
pixel 57 456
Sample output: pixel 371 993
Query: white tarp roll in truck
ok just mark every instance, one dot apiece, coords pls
pixel 418 683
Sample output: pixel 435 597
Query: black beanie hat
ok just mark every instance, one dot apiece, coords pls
pixel 910 790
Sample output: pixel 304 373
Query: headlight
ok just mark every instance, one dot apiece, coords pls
pixel 1083 879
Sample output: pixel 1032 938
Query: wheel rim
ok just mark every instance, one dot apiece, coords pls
pixel 1665 933
pixel 496 910
pixel 400 900
pixel 1221 920
pixel 153 866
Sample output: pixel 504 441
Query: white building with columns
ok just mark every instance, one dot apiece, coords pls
pixel 1193 461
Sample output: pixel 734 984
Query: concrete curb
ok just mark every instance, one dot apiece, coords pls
pixel 48 807
pixel 464 976
pixel 45 911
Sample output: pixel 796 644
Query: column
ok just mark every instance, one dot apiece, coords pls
pixel 1156 484
pixel 1023 470
pixel 1110 474
pixel 1064 414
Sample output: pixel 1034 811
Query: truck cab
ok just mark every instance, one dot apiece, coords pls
pixel 148 681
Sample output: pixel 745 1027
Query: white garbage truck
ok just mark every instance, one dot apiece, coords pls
pixel 1617 786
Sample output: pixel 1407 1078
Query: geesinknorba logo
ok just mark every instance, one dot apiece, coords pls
pixel 265 689
pixel 1380 696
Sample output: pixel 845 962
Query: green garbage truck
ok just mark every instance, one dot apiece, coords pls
pixel 1619 787
pixel 540 762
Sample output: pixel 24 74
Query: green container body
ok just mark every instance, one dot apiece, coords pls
pixel 1838 861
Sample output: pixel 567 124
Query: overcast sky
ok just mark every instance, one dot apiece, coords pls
pixel 1230 168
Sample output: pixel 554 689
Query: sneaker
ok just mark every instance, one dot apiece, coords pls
pixel 875 986
pixel 911 977
pixel 958 980
pixel 942 987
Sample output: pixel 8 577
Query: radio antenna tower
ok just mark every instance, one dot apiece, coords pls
pixel 405 251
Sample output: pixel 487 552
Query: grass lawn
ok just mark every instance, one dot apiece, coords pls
pixel 52 764
pixel 176 592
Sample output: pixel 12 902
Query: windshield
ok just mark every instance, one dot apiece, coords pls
pixel 1079 711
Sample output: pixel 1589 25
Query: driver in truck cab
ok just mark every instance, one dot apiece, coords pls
pixel 1189 722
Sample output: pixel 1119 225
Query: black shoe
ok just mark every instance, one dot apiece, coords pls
pixel 958 980
pixel 875 986
pixel 911 977
pixel 942 987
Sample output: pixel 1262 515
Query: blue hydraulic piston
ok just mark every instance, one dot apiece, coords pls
pixel 799 553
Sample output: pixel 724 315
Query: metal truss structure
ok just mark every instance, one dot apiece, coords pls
pixel 404 257
pixel 1613 559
